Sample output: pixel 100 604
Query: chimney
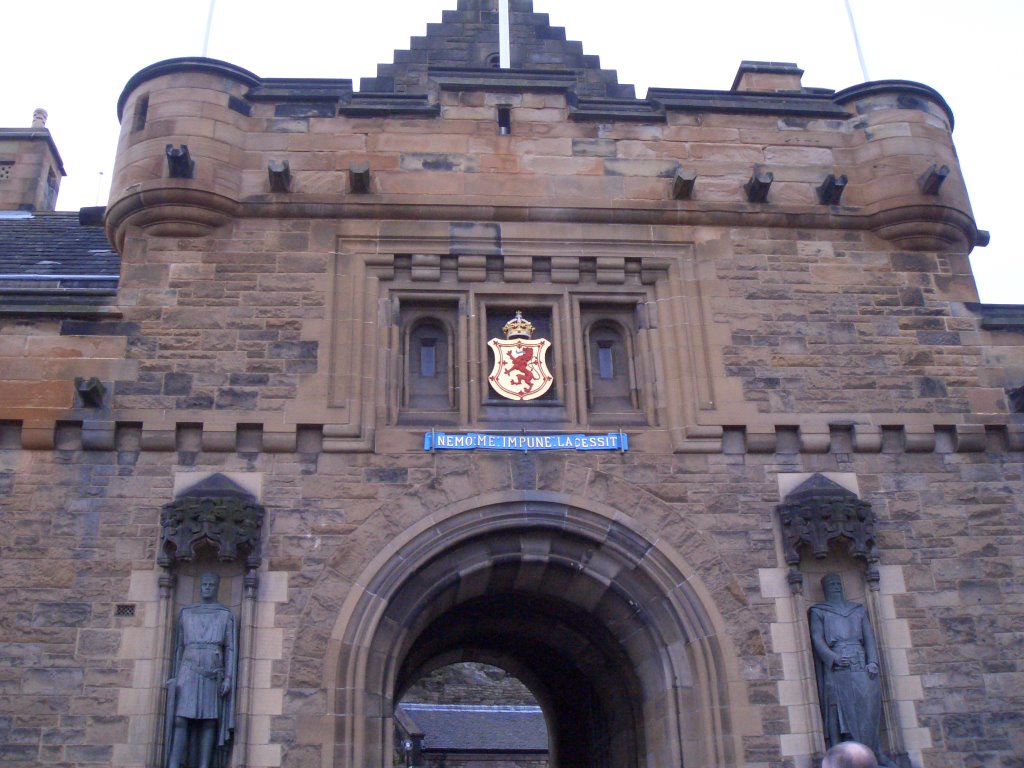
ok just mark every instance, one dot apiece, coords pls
pixel 768 77
pixel 30 167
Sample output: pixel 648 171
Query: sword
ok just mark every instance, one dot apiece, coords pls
pixel 172 703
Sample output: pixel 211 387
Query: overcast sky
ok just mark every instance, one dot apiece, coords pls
pixel 73 58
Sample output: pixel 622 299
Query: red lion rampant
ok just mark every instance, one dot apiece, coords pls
pixel 521 365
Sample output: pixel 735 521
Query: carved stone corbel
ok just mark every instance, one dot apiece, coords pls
pixel 217 514
pixel 819 513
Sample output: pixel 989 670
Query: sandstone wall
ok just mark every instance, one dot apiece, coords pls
pixel 259 334
pixel 82 529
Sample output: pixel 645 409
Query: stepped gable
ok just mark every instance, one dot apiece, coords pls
pixel 467 38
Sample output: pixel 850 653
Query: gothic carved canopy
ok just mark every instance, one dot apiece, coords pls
pixel 820 513
pixel 216 514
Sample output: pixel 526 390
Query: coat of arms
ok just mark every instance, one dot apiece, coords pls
pixel 520 372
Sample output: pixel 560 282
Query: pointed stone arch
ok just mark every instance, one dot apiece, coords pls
pixel 575 580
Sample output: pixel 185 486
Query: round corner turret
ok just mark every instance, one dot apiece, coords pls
pixel 906 173
pixel 178 166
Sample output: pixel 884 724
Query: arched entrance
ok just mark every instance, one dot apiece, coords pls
pixel 464 713
pixel 608 632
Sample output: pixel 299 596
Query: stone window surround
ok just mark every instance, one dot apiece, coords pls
pixel 573 314
pixel 611 322
pixel 514 260
pixel 414 318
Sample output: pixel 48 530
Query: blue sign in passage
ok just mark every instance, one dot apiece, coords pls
pixel 483 441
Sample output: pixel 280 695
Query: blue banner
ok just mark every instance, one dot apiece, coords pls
pixel 483 441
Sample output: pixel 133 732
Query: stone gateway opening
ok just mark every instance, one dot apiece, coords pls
pixel 604 630
pixel 470 714
pixel 581 673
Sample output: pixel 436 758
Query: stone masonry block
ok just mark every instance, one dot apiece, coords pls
pixel 791 693
pixel 269 643
pixel 264 755
pixel 891 580
pixel 265 614
pixel 129 755
pixel 917 738
pixel 142 586
pixel 137 643
pixel 665 169
pixel 273 587
pixel 783 638
pixel 798 744
pixel 267 701
pixel 773 582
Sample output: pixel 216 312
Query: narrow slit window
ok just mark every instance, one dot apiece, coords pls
pixel 429 367
pixel 605 359
pixel 140 114
pixel 504 120
pixel 428 358
pixel 50 201
pixel 610 378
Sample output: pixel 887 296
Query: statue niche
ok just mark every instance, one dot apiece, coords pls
pixel 215 520
pixel 847 670
pixel 201 695
pixel 817 515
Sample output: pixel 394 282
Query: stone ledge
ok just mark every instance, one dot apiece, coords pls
pixel 791 104
pixel 490 79
pixel 249 437
pixel 166 207
pixel 999 317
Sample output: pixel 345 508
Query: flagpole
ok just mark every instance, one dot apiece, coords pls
pixel 504 47
pixel 209 24
pixel 856 41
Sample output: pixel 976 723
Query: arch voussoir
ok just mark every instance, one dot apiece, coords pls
pixel 540 557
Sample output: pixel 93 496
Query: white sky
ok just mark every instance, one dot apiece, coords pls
pixel 73 58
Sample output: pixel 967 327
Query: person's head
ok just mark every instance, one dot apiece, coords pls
pixel 832 586
pixel 849 754
pixel 209 585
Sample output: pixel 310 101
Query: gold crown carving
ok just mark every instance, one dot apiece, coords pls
pixel 518 327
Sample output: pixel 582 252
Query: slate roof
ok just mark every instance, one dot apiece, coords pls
pixel 51 262
pixel 479 728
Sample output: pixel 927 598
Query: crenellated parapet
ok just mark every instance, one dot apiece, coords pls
pixel 486 144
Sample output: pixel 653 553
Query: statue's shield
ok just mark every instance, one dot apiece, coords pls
pixel 520 372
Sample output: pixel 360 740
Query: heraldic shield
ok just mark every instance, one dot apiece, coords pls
pixel 520 372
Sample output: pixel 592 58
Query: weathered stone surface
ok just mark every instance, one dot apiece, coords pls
pixel 272 342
